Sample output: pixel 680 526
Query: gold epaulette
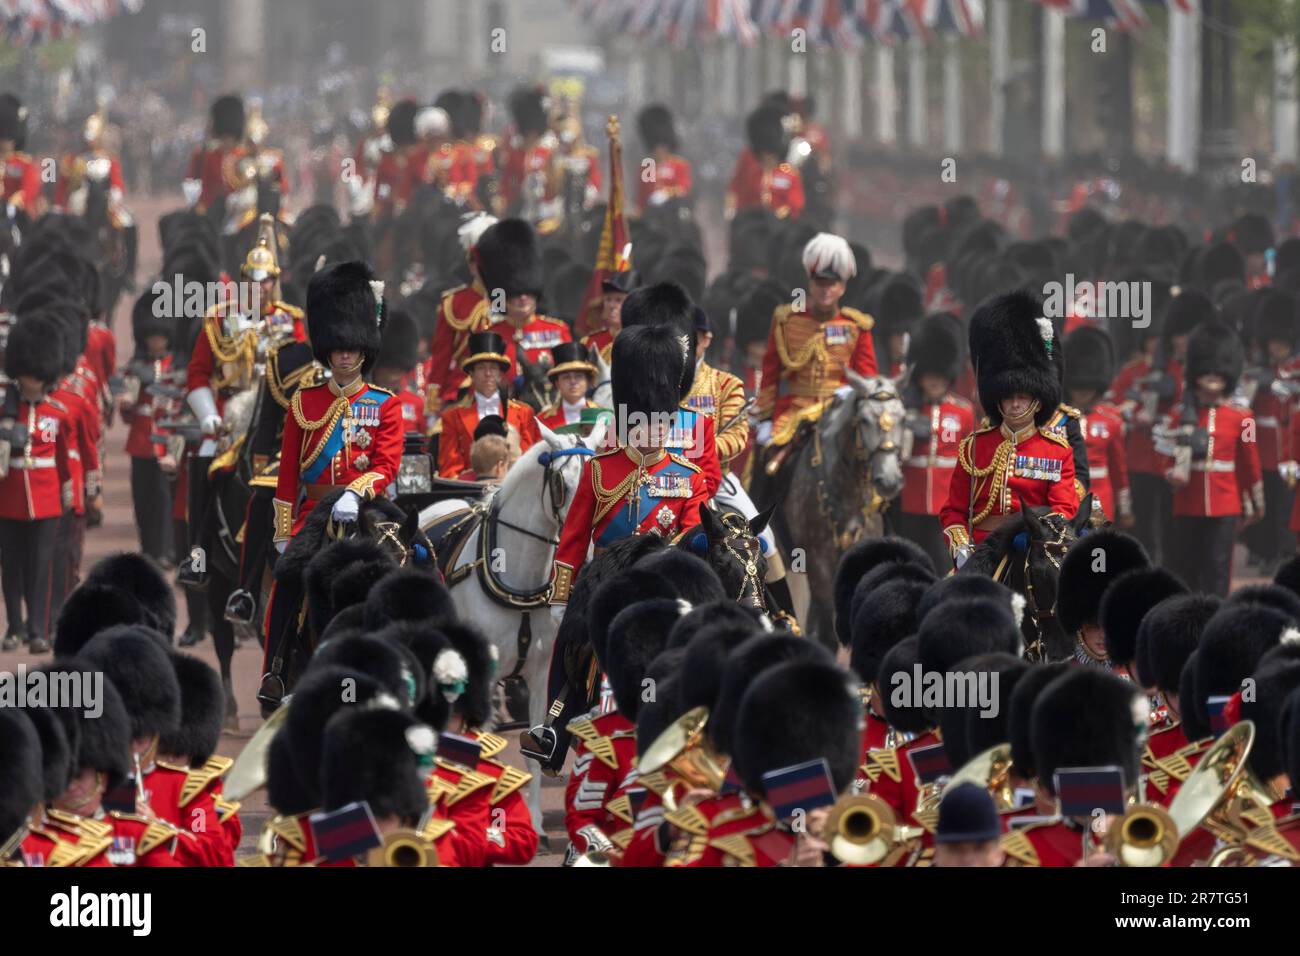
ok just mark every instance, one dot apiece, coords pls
pixel 436 828
pixel 256 859
pixel 737 846
pixel 598 744
pixel 155 835
pixel 288 309
pixel 621 807
pixel 469 782
pixel 691 819
pixel 198 779
pixel 490 744
pixel 1052 436
pixel 450 317
pixel 1070 410
pixel 882 760
pixel 80 827
pixel 288 829
pixel 226 808
pixel 682 461
pixel 656 782
pixel 64 854
pixel 511 779
pixel 379 388
pixel 1018 848
pixel 623 838
pixel 860 319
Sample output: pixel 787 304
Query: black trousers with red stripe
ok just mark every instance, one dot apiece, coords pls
pixel 26 566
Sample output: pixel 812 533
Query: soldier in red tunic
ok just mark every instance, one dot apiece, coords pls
pixel 212 174
pixel 1274 330
pixel 670 176
pixel 937 421
pixel 1014 459
pixel 528 155
pixel 510 264
pixel 22 175
pixel 398 357
pixel 36 435
pixel 344 436
pixel 153 467
pixel 400 170
pixel 614 290
pixel 485 365
pixel 1089 369
pixel 637 487
pixel 762 177
pixel 463 310
pixel 1212 460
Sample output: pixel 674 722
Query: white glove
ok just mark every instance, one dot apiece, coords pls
pixel 347 507
pixel 557 613
pixel 192 188
pixel 763 434
pixel 281 545
pixel 204 406
pixel 961 555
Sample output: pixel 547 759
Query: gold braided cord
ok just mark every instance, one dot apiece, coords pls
pixel 815 348
pixel 338 408
pixel 998 469
pixel 244 347
pixel 608 498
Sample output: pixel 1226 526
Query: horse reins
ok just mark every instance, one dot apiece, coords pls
pixel 1037 614
pixel 751 579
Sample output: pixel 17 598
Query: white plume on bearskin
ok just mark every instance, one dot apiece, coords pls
pixel 831 253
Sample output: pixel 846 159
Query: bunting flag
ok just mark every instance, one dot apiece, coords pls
pixel 1125 15
pixel 615 252
pixel 29 22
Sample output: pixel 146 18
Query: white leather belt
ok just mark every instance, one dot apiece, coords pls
pixel 1267 421
pixel 923 461
pixel 31 464
pixel 1098 472
pixel 1214 466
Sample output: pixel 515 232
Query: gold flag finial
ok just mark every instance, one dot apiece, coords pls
pixel 611 127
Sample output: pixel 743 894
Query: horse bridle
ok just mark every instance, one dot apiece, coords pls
pixel 737 527
pixel 1040 615
pixel 554 486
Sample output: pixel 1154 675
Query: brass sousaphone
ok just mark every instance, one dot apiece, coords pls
pixel 683 747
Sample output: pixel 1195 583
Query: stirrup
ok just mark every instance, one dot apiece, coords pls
pixel 240 607
pixel 271 693
pixel 188 578
pixel 539 743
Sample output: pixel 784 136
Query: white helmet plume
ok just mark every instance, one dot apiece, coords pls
pixel 829 253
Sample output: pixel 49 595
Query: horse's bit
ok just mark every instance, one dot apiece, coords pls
pixel 738 527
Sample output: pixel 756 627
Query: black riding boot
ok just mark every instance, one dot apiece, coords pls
pixel 192 570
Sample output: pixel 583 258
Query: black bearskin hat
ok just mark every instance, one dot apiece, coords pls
pixel 1289 730
pixel 1089 360
pixel 637 636
pixel 1088 718
pixel 138 576
pixel 655 124
pixel 896 302
pixel 475 703
pixel 377 756
pixel 1221 262
pixel 937 348
pixel 1195 721
pixel 653 716
pixel 92 608
pixel 203 708
pixel 144 323
pixel 400 344
pixel 1270 595
pixel 528 109
pixel 648 368
pixel 765 131
pixel 1252 233
pixel 613 594
pixel 795 712
pixel 1188 310
pixel 690 575
pixel 343 313
pixel 903 659
pixel 106 738
pixel 35 348
pixel 1091 564
pixel 408 595
pixel 320 694
pixel 1288 575
pixel 754 313
pixel 702 616
pixel 984 730
pixel 1231 646
pixel 13 120
pixel 742 667
pixel 1020 714
pixel 1274 317
pixel 666 304
pixel 401 122
pixel 285 792
pixel 22 780
pixel 886 617
pixel 1168 636
pixel 1126 602
pixel 890 572
pixel 342 574
pixel 390 664
pixel 1011 348
pixel 958 586
pixel 137 661
pixel 509 258
pixel 986 626
pixel 1276 676
pixel 446 673
pixel 60 735
pixel 1215 349
pixel 227 114
pixel 706 660
pixel 857 562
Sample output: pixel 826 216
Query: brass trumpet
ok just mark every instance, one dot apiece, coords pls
pixel 403 848
pixel 683 747
pixel 1145 836
pixel 861 829
pixel 992 771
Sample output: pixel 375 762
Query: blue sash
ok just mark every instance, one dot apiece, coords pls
pixel 333 442
pixel 672 481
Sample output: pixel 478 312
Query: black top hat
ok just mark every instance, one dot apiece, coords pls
pixel 624 281
pixel 486 347
pixel 570 357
